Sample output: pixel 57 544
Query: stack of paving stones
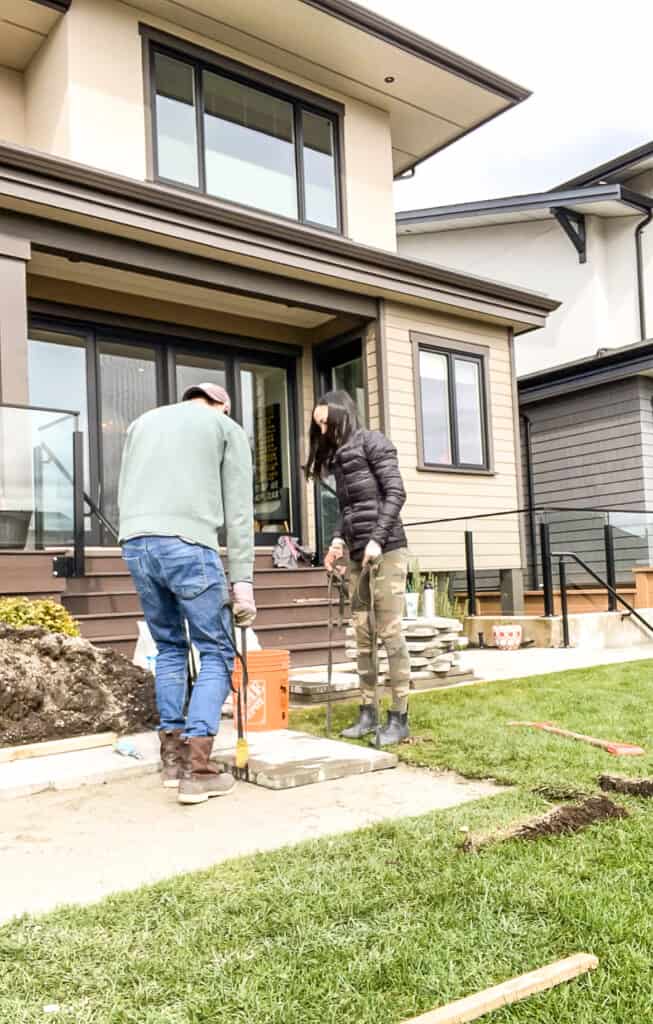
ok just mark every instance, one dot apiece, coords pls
pixel 435 647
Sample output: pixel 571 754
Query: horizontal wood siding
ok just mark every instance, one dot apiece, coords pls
pixel 594 449
pixel 440 495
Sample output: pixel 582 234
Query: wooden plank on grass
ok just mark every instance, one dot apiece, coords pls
pixel 475 1006
pixel 65 746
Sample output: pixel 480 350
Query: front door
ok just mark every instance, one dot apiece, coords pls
pixel 339 368
pixel 113 377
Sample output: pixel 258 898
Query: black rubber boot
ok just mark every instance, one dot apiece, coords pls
pixel 366 723
pixel 395 730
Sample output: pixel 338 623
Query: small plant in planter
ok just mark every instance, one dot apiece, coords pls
pixel 414 586
pixel 21 611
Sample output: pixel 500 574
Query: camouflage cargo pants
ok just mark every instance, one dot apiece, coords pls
pixel 389 592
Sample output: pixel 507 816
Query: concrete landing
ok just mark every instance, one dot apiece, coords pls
pixel 278 760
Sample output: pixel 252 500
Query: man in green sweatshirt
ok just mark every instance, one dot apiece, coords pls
pixel 186 472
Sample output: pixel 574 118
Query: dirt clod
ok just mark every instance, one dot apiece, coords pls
pixel 559 821
pixel 619 784
pixel 54 686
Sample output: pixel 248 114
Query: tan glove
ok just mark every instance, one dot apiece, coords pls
pixel 244 604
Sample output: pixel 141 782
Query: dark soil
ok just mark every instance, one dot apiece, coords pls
pixel 54 686
pixel 559 821
pixel 634 787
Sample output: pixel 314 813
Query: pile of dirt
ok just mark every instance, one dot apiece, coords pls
pixel 53 686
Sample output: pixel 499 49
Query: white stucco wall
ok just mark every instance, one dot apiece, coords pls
pixel 599 297
pixel 12 107
pixel 97 54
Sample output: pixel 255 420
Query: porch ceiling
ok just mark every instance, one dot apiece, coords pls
pixel 24 24
pixel 47 265
pixel 433 96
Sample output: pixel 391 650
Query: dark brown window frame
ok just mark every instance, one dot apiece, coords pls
pixel 202 59
pixel 452 348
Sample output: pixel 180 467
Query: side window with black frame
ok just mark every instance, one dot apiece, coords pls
pixel 453 408
pixel 243 140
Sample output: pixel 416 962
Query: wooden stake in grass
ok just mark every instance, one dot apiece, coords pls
pixel 559 821
pixel 512 991
pixel 612 747
pixel 65 746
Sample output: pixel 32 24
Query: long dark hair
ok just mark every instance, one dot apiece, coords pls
pixel 342 422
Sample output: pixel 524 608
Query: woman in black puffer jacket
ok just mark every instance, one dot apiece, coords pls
pixel 371 495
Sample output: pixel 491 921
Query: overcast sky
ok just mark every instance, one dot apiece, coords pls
pixel 588 64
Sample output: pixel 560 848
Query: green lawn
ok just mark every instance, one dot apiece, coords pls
pixel 377 926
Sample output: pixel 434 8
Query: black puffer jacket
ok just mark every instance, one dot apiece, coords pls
pixel 370 493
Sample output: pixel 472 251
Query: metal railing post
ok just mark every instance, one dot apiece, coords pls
pixel 37 463
pixel 610 568
pixel 547 569
pixel 78 504
pixel 564 607
pixel 471 572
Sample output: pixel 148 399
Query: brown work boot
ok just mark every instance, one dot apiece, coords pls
pixel 170 757
pixel 199 778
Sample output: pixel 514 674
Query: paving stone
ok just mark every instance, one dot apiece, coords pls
pixel 285 759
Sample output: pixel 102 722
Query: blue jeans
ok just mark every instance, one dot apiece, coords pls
pixel 177 581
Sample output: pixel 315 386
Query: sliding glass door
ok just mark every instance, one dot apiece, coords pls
pixel 111 377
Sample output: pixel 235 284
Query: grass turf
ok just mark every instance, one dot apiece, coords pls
pixel 390 921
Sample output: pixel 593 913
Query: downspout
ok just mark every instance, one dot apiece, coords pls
pixel 530 500
pixel 640 273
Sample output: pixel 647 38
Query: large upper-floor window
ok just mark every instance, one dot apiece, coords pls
pixel 451 383
pixel 244 140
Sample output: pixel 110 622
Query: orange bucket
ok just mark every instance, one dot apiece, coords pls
pixel 268 690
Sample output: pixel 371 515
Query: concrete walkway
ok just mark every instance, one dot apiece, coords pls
pixel 76 847
pixel 489 665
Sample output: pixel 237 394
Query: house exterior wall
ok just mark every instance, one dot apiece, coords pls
pixel 434 495
pixel 537 254
pixel 594 449
pixel 86 101
pixel 12 106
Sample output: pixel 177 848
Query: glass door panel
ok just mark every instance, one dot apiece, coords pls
pixel 265 418
pixel 127 388
pixel 57 379
pixel 191 370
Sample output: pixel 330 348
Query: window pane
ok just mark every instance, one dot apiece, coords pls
pixel 436 426
pixel 469 410
pixel 57 380
pixel 320 170
pixel 349 377
pixel 127 389
pixel 265 421
pixel 250 147
pixel 175 120
pixel 193 370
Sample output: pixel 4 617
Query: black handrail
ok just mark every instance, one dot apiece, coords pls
pixel 95 510
pixel 561 555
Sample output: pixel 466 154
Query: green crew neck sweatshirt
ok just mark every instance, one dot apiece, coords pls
pixel 186 472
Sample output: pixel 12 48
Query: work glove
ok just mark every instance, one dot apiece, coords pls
pixel 372 552
pixel 244 604
pixel 334 554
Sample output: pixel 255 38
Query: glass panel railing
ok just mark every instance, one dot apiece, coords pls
pixel 37 507
pixel 632 534
pixel 583 533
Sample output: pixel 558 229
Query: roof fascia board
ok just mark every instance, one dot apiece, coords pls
pixel 619 163
pixel 512 204
pixel 530 392
pixel 109 190
pixel 56 5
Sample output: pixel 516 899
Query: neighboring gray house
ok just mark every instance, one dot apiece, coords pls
pixel 587 442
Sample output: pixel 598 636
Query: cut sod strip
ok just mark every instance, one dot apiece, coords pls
pixel 560 821
pixel 512 991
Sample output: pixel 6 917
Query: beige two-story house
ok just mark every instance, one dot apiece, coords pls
pixel 204 192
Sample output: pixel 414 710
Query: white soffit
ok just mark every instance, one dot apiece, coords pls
pixel 24 25
pixel 429 106
pixel 462 222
